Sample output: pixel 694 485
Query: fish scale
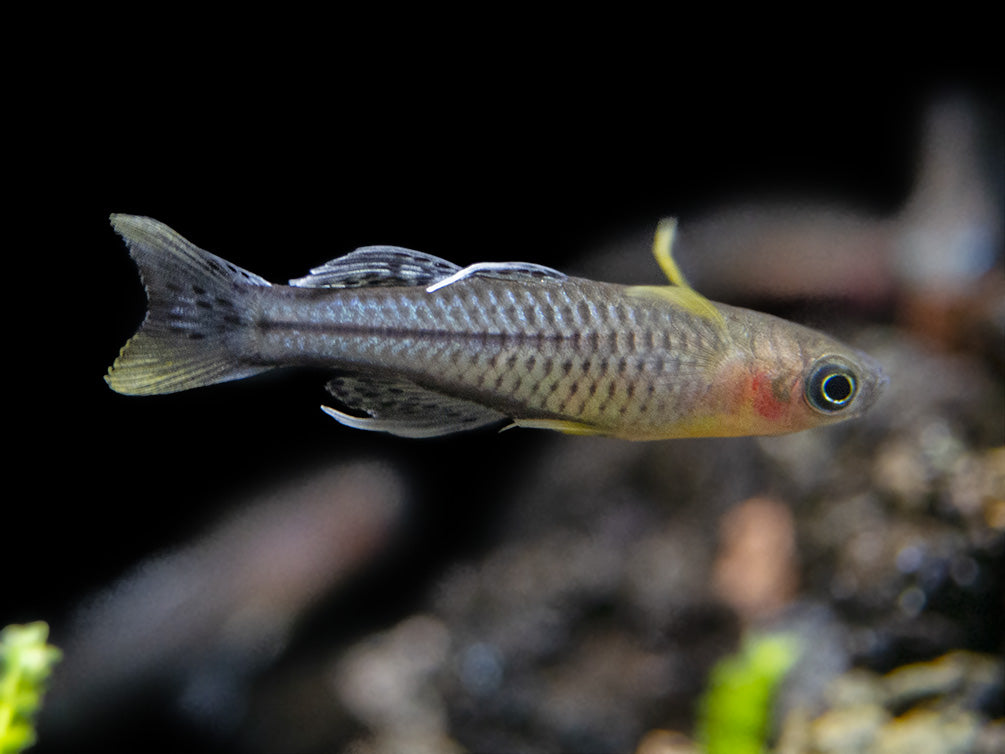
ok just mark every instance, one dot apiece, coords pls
pixel 421 347
pixel 499 355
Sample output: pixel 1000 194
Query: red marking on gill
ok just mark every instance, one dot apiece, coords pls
pixel 766 401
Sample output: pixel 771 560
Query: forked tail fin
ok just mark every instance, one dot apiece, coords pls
pixel 197 311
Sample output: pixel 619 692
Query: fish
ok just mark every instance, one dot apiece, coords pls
pixel 419 347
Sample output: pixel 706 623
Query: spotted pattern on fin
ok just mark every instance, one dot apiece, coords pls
pixel 404 408
pixel 378 266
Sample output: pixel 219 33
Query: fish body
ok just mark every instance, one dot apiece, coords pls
pixel 422 347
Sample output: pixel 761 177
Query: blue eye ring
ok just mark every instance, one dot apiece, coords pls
pixel 831 386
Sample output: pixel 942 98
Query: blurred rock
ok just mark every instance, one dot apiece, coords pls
pixel 389 683
pixel 666 742
pixel 945 706
pixel 202 620
pixel 756 570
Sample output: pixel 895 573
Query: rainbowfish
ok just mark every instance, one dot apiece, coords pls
pixel 422 347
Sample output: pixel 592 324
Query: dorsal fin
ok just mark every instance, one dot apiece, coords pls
pixel 666 232
pixel 378 266
pixel 501 271
pixel 684 297
pixel 679 292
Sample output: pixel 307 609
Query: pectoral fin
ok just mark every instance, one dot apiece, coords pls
pixel 560 425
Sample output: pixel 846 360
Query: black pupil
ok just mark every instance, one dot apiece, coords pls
pixel 836 388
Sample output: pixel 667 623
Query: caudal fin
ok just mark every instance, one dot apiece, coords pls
pixel 197 312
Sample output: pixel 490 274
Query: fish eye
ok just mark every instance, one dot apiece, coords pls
pixel 830 387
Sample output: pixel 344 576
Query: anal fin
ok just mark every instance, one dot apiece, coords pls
pixel 403 408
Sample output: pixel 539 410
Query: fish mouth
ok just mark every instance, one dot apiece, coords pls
pixel 874 381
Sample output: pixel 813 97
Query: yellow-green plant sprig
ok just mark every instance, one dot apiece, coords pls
pixel 26 661
pixel 736 710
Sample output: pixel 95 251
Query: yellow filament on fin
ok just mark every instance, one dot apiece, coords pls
pixel 666 231
pixel 679 292
pixel 687 299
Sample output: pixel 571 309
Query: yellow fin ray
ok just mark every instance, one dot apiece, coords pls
pixel 679 292
pixel 666 231
pixel 687 299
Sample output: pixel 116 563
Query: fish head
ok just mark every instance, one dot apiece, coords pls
pixel 783 377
